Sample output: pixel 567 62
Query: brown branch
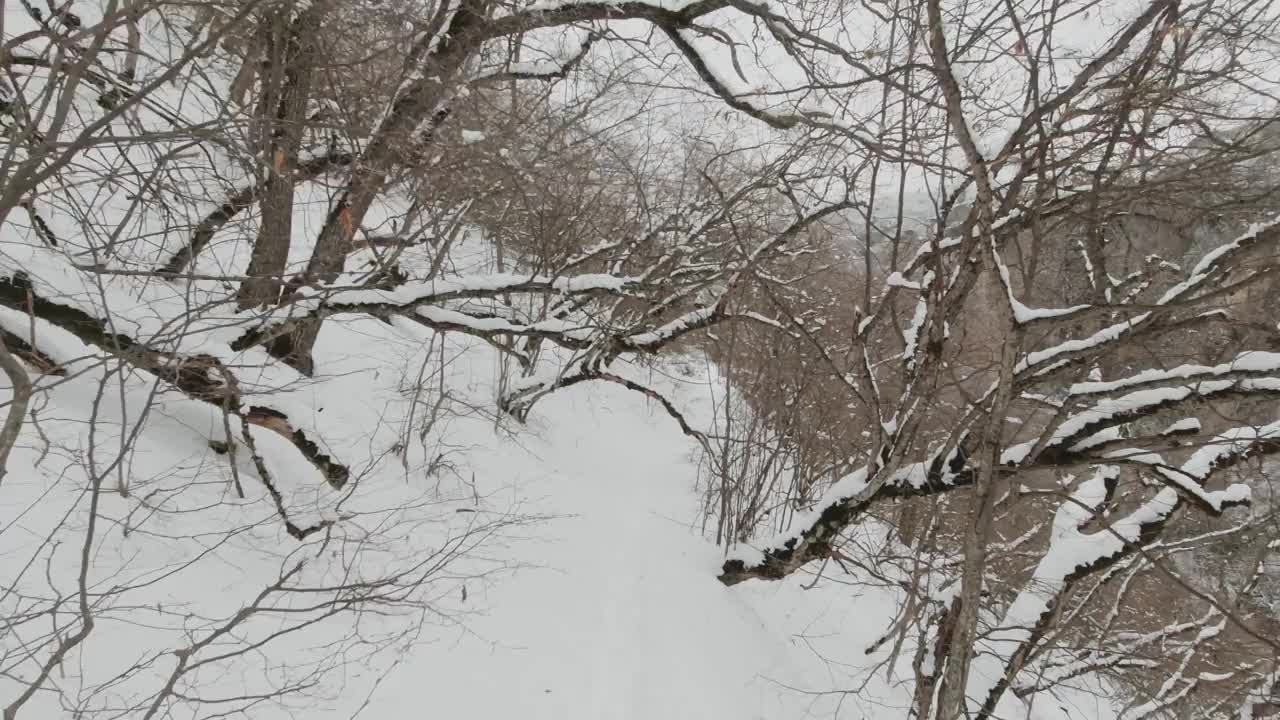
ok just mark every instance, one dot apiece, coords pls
pixel 239 201
pixel 556 71
pixel 20 395
pixel 189 374
pixel 520 405
pixel 816 541
pixel 264 474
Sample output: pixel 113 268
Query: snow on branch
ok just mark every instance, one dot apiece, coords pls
pixel 1086 428
pixel 413 296
pixel 200 377
pixel 681 39
pixel 1006 646
pixel 1249 362
pixel 546 69
pixel 1122 653
pixel 1212 265
pixel 1073 554
pixel 816 531
pixel 554 14
pixel 1217 260
pixel 693 320
pixel 1261 695
pixel 1022 314
pixel 1222 451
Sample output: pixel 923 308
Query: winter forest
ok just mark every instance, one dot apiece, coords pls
pixel 639 359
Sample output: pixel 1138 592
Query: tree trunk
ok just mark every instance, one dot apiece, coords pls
pixel 286 89
pixel 414 116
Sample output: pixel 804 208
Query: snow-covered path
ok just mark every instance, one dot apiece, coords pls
pixel 607 609
pixel 615 612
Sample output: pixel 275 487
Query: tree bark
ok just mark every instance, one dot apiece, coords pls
pixel 21 383
pixel 285 94
pixel 412 119
pixel 199 377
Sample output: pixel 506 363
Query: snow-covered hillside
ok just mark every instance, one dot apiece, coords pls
pixel 585 591
pixel 618 615
pixel 479 494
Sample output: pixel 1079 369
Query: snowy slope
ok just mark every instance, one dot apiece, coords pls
pixel 615 612
pixel 549 571
pixel 602 603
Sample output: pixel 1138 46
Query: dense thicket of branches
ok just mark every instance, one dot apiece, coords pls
pixel 996 273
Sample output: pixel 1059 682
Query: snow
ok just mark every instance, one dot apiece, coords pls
pixel 925 252
pixel 590 590
pixel 1253 361
pixel 599 601
pixel 1102 437
pixel 1185 425
pixel 1225 445
pixel 911 337
pixel 417 295
pixel 1206 264
pixel 691 319
pixel 1103 336
pixel 1022 314
pixel 896 279
pixel 615 611
pixel 1069 549
pixel 459 320
pixel 1109 408
pixel 563 573
pixel 852 486
pixel 1202 270
pixel 489 284
pixel 542 7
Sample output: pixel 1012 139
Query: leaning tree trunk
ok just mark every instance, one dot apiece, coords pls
pixel 286 88
pixel 414 116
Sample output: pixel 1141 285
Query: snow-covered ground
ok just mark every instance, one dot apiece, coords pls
pixel 555 570
pixel 617 614
pixel 601 603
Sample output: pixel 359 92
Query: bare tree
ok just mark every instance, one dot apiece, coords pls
pixel 1006 348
